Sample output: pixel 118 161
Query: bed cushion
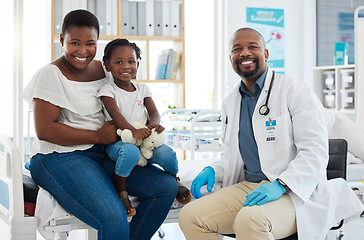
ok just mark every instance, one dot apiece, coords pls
pixel 30 190
pixel 355 172
pixel 341 126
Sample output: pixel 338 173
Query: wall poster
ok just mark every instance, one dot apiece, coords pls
pixel 270 23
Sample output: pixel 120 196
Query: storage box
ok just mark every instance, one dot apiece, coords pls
pixel 347 99
pixel 329 80
pixel 329 99
pixel 347 78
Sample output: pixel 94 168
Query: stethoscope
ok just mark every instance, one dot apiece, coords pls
pixel 264 109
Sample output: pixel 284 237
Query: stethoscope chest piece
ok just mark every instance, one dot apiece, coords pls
pixel 264 110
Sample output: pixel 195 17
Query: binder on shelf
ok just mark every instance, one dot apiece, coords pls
pixel 100 12
pixel 141 12
pixel 170 56
pixel 67 7
pixel 166 18
pixel 176 61
pixel 111 17
pixel 82 4
pixel 91 6
pixel 149 16
pixel 175 19
pixel 133 22
pixel 341 53
pixel 58 16
pixel 125 17
pixel 162 65
pixel 158 18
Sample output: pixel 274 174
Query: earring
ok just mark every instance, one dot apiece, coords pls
pixel 61 48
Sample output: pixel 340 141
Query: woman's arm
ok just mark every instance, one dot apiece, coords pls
pixel 48 128
pixel 114 111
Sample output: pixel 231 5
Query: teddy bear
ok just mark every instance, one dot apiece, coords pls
pixel 146 146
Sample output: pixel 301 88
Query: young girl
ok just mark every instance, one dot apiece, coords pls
pixel 126 102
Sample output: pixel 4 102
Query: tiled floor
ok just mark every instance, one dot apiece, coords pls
pixel 352 231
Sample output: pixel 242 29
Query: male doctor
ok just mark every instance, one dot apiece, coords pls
pixel 274 166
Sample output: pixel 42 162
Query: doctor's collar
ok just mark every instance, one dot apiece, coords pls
pixel 258 85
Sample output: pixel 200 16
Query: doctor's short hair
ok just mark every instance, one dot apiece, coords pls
pixel 80 18
pixel 119 42
pixel 247 29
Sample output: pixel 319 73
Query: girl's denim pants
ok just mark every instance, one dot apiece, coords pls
pixel 127 155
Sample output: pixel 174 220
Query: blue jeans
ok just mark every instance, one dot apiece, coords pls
pixel 83 184
pixel 127 155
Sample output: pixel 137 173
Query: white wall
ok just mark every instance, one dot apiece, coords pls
pixel 299 24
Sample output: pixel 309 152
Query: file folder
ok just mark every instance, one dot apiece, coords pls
pixel 91 6
pixel 100 12
pixel 162 65
pixel 149 16
pixel 58 16
pixel 158 18
pixel 169 68
pixel 176 61
pixel 125 17
pixel 141 12
pixel 133 22
pixel 166 18
pixel 111 17
pixel 67 7
pixel 175 19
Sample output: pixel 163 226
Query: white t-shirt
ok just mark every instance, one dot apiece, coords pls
pixel 81 108
pixel 131 104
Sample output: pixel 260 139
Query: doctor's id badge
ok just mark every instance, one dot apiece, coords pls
pixel 271 130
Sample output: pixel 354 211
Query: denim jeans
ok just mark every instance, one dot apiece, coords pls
pixel 127 155
pixel 83 184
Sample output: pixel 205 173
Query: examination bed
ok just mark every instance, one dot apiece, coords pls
pixel 54 222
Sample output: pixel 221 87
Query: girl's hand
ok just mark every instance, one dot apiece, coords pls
pixel 158 128
pixel 107 133
pixel 142 133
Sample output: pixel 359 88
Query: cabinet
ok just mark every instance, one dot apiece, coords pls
pixel 336 88
pixel 112 15
pixel 193 131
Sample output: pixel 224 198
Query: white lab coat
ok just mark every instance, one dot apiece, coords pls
pixel 299 155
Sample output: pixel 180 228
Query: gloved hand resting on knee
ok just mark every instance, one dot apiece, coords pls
pixel 206 176
pixel 265 193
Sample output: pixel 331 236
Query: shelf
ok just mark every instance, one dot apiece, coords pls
pixel 336 88
pixel 135 37
pixel 110 15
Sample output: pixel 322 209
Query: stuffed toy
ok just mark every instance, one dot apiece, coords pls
pixel 146 147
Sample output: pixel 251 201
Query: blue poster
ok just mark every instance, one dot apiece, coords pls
pixel 270 23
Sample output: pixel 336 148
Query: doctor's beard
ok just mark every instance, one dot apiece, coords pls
pixel 249 74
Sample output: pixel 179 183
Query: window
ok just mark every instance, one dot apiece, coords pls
pixel 199 50
pixel 335 23
pixel 6 63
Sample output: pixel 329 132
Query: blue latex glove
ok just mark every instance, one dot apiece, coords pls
pixel 265 193
pixel 206 176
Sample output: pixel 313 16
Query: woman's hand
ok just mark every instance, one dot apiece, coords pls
pixel 107 133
